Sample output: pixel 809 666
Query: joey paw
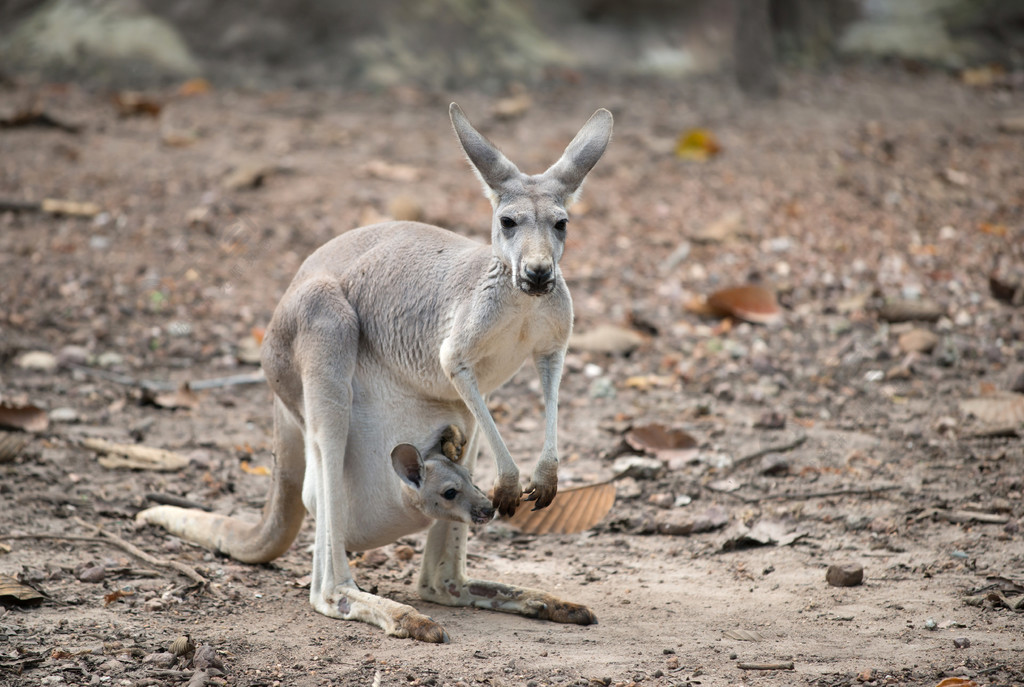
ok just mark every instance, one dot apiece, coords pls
pixel 452 443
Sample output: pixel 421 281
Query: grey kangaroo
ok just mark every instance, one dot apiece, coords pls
pixel 386 343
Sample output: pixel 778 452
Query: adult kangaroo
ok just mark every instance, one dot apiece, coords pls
pixel 388 339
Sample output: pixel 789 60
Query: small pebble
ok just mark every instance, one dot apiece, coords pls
pixel 847 575
pixel 39 361
pixel 931 624
pixel 961 642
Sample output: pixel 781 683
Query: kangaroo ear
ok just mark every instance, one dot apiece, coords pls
pixel 408 463
pixel 493 168
pixel 582 153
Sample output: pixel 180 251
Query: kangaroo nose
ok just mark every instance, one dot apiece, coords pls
pixel 538 275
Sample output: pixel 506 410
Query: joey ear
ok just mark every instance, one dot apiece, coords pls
pixel 582 153
pixel 408 463
pixel 493 168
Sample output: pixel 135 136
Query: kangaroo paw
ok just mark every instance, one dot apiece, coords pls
pixel 541 495
pixel 506 497
pixel 421 628
pixel 568 612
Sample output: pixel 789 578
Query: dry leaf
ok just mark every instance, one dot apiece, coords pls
pixel 198 86
pixel 512 107
pixel 607 338
pixel 134 104
pixel 135 457
pixel 182 397
pixel 247 176
pixel 26 417
pixel 751 303
pixel 698 145
pixel 21 594
pixel 116 595
pixel 663 442
pixel 11 445
pixel 723 228
pixel 251 469
pixel 648 382
pixel 957 682
pixel 573 510
pixel 379 169
pixel 1003 409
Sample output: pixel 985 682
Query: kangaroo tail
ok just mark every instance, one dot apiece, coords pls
pixel 277 528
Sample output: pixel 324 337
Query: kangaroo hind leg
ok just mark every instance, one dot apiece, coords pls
pixel 326 346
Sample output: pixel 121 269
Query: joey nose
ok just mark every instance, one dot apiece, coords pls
pixel 482 514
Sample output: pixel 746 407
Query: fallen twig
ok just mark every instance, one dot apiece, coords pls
pixel 866 491
pixel 108 538
pixel 51 206
pixel 784 665
pixel 172 500
pixel 254 377
pixel 139 553
pixel 135 456
pixel 751 457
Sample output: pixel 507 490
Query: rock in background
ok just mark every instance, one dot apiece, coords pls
pixel 102 41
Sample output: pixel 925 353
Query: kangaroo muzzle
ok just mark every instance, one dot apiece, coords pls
pixel 537 279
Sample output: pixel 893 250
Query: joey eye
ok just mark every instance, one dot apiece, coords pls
pixel 560 224
pixel 507 222
pixel 450 494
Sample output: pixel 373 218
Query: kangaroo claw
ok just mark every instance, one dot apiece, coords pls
pixel 506 498
pixel 541 496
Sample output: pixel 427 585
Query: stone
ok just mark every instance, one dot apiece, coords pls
pixel 845 575
pixel 117 42
pixel 64 415
pixel 918 341
pixel 38 361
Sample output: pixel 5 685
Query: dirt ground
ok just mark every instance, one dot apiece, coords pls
pixel 854 189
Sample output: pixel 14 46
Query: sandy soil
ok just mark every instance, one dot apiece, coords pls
pixel 852 190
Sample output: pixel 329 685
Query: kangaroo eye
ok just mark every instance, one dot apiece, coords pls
pixel 560 224
pixel 507 222
pixel 450 494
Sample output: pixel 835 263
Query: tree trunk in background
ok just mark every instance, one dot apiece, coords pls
pixel 754 49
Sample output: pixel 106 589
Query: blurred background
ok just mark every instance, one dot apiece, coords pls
pixel 487 44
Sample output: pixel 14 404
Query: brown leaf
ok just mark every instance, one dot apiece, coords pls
pixel 23 416
pixel 11 445
pixel 957 682
pixel 182 397
pixel 250 469
pixel 1003 409
pixel 388 171
pixel 573 510
pixel 21 594
pixel 751 303
pixel 116 595
pixel 134 104
pixel 607 338
pixel 723 228
pixel 698 145
pixel 198 86
pixel 665 443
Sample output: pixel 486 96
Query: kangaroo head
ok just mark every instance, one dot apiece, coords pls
pixel 529 222
pixel 439 488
